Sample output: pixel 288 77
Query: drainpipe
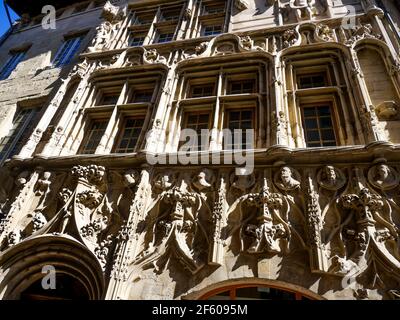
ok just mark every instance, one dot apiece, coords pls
pixel 10 30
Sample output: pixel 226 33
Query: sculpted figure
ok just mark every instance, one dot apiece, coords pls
pixel 303 8
pixel 285 179
pixel 203 180
pixel 331 178
pixel 383 177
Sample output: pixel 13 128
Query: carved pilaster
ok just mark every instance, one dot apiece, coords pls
pixel 218 216
pixel 127 238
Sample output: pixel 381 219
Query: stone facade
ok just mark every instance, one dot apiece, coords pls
pixel 318 220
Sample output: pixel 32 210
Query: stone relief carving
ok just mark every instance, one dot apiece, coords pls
pixel 325 33
pixel 152 56
pixel 105 32
pixel 177 218
pixel 287 179
pixel 387 110
pixel 258 222
pixel 241 5
pixel 290 38
pixel 178 228
pixel 331 178
pixel 383 177
pixel 362 31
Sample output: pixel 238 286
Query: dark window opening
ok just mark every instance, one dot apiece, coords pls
pixel 202 91
pixel 93 136
pixel 130 135
pixel 312 81
pixel 318 126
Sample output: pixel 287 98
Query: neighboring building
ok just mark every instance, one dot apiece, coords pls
pixel 92 182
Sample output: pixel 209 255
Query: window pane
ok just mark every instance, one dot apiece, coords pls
pixel 309 112
pixel 130 135
pixel 142 96
pixel 313 136
pixel 241 120
pixel 11 64
pixel 23 124
pixel 202 91
pixel 96 131
pixel 318 126
pixel 325 122
pixel 311 123
pixel 197 122
pixel 328 135
pixel 67 51
pixel 312 81
pixel 109 99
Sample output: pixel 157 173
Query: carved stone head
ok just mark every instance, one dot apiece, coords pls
pixel 331 178
pixel 287 178
pixel 383 176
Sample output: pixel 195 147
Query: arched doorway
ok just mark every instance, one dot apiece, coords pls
pixel 67 288
pixel 253 289
pixel 251 292
pixel 78 274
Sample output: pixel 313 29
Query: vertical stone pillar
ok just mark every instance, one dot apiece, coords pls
pixel 127 245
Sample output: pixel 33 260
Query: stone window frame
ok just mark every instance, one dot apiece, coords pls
pixel 21 133
pixel 335 93
pixel 207 19
pixel 123 115
pixel 333 119
pixel 90 120
pixel 58 62
pixel 155 22
pixel 115 113
pixel 186 112
pixel 220 102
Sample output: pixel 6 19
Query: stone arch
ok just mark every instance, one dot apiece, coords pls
pixel 226 285
pixel 21 265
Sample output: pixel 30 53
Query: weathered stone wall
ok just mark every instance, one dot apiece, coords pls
pixel 35 77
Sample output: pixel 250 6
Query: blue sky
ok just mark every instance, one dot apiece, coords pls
pixel 4 24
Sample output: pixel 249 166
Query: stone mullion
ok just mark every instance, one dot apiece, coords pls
pixel 346 124
pixel 156 142
pixel 195 25
pixel 277 82
pixel 123 30
pixel 378 15
pixel 228 14
pixel 214 130
pixel 294 134
pixel 105 144
pixel 261 106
